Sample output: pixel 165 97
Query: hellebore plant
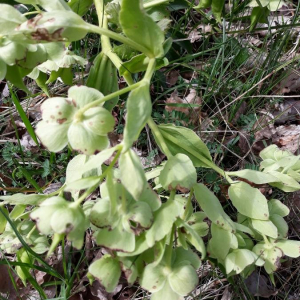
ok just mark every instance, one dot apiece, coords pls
pixel 155 240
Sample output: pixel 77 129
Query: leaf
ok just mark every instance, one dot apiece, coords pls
pixel 10 19
pixel 239 259
pixel 139 63
pixel 285 182
pixel 221 241
pixel 139 108
pixel 254 176
pixel 74 170
pixel 217 8
pixel 97 160
pixel 107 270
pixel 164 219
pixel 249 201
pixel 52 5
pixel 16 199
pixel 153 278
pixel 150 197
pixel 195 239
pixel 265 227
pixel 178 172
pixel 212 207
pixel 203 4
pixel 117 239
pixel 130 164
pixel 3 219
pixel 80 7
pixel 166 293
pixel 183 279
pixel 139 27
pixel 183 140
pixel 289 247
pixel 281 224
pixel 259 15
pixel 24 117
pixel 186 255
pixel 103 77
pixel 83 183
pixel 15 75
pixel 276 207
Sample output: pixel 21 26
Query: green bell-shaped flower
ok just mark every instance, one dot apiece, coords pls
pixel 56 215
pixel 60 124
pixel 175 281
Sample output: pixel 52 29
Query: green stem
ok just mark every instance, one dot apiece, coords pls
pixel 150 70
pixel 105 41
pixel 159 137
pixel 119 38
pixel 106 98
pixel 101 177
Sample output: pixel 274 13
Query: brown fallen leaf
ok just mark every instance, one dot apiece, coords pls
pixel 190 105
pixel 7 289
pixel 291 83
pixel 288 137
pixel 257 285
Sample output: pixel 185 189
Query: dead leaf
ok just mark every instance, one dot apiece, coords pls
pixel 172 77
pixel 257 285
pixel 227 295
pixel 288 111
pixel 288 137
pixel 291 83
pixel 198 33
pixel 190 105
pixel 7 289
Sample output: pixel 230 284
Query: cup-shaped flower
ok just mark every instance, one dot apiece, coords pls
pixel 56 215
pixel 172 282
pixel 61 124
pixel 54 26
pixel 118 231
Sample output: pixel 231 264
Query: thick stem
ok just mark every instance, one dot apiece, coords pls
pixel 119 38
pixel 105 41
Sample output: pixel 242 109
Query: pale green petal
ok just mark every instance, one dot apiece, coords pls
pixel 183 279
pixel 85 141
pixel 107 270
pixel 82 95
pixel 99 120
pixel 53 136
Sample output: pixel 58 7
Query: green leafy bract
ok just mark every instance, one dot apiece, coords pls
pixel 183 140
pixel 136 182
pixel 178 172
pixel 249 201
pixel 107 270
pixel 212 207
pixel 140 27
pixel 139 108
